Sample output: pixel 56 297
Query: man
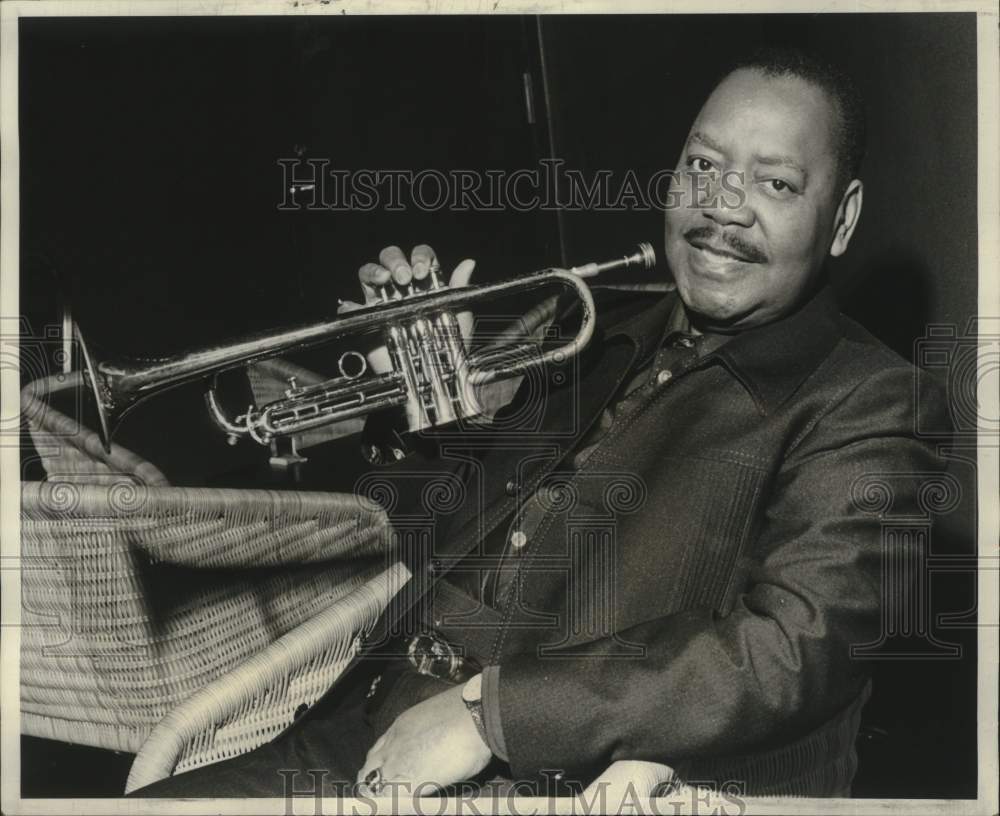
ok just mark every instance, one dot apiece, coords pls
pixel 717 440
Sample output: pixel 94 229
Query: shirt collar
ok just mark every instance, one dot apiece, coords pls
pixel 770 361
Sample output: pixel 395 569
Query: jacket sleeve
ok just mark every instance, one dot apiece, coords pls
pixel 779 663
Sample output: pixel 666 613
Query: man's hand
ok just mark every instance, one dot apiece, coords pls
pixel 395 274
pixel 436 742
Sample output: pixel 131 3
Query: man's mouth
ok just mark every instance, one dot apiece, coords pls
pixel 721 251
pixel 720 246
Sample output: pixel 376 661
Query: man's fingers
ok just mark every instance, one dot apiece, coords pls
pixel 371 274
pixel 421 259
pixel 393 259
pixel 463 273
pixel 393 268
pixel 428 788
pixel 461 277
pixel 372 278
pixel 372 761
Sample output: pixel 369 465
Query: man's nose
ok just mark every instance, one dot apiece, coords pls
pixel 729 203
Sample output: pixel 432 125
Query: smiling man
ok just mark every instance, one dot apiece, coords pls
pixel 726 435
pixel 783 141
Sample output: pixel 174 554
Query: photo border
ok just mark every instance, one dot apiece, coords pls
pixel 988 471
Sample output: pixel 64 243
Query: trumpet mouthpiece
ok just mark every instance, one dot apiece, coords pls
pixel 646 256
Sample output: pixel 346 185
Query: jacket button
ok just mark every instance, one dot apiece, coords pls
pixel 664 377
pixel 511 487
pixel 518 539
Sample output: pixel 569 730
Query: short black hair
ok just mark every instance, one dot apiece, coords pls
pixel 782 61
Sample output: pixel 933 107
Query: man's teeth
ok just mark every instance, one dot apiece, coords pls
pixel 711 251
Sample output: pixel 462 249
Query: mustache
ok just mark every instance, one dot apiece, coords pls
pixel 732 243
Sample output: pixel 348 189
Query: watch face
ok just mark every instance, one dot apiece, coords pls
pixel 472 691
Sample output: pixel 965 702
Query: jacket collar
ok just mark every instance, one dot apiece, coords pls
pixel 770 361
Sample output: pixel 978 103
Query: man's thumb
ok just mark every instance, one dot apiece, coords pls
pixel 463 273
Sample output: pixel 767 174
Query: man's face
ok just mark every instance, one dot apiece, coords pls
pixel 768 141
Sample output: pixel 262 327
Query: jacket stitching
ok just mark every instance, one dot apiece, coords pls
pixel 838 398
pixel 508 610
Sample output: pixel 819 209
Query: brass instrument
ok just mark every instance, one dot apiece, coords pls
pixel 431 371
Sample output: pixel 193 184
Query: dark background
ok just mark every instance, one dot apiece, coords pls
pixel 150 191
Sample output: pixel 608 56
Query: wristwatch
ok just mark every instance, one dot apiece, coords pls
pixel 472 696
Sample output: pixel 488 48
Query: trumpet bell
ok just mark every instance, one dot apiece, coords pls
pixel 106 423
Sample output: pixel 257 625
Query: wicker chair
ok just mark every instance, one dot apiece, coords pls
pixel 191 625
pixel 203 617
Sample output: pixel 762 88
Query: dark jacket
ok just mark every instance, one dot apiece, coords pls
pixel 695 591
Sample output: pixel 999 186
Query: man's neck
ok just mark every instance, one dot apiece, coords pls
pixel 699 324
pixel 683 320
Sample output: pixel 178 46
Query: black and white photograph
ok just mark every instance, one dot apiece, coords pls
pixel 499 407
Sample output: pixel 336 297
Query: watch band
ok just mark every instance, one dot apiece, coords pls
pixel 476 711
pixel 473 699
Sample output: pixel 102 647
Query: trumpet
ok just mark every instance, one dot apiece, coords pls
pixel 431 372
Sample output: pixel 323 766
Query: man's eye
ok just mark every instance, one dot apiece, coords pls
pixel 700 164
pixel 778 188
pixel 780 185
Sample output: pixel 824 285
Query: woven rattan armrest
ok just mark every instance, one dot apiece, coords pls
pixel 214 527
pixel 328 639
pixel 70 451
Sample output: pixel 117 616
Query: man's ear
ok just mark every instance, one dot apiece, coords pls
pixel 848 214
